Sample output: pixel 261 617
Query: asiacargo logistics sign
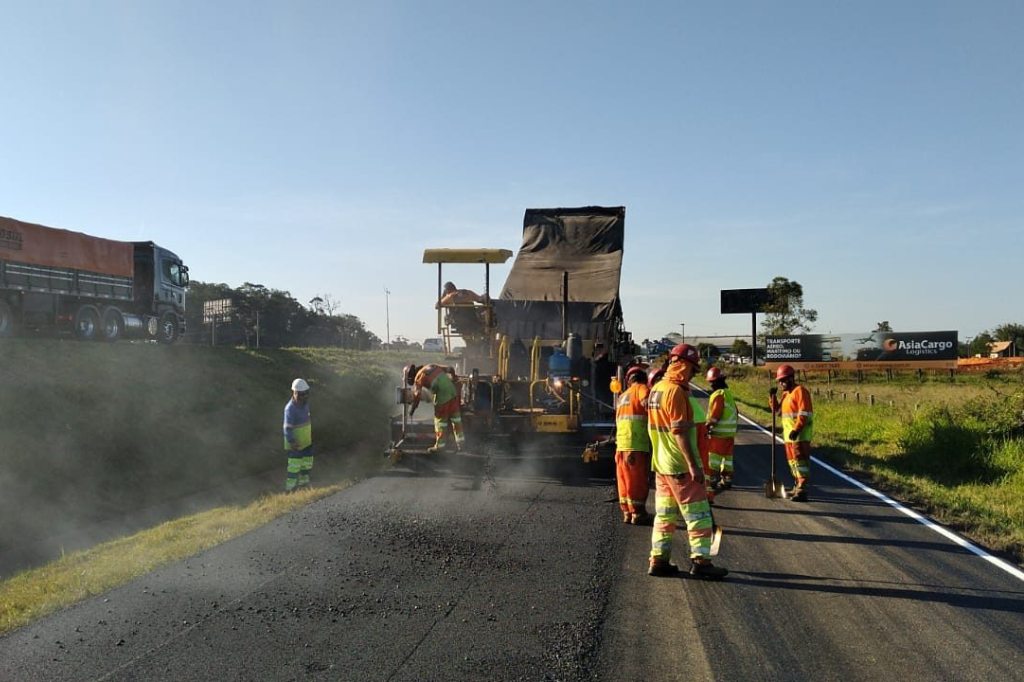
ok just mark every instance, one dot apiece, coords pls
pixel 885 350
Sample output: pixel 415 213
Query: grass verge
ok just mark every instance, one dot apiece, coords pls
pixel 38 592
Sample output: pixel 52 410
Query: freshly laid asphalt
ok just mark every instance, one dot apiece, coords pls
pixel 486 572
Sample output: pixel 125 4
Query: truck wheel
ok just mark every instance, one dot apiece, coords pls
pixel 87 323
pixel 6 320
pixel 113 324
pixel 167 331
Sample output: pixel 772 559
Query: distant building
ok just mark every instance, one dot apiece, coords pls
pixel 999 349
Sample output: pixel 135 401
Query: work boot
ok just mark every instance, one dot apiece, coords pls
pixel 662 569
pixel 626 517
pixel 715 483
pixel 705 570
pixel 799 495
pixel 434 449
pixel 726 484
pixel 641 519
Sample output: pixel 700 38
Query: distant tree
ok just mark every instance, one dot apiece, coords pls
pixel 741 348
pixel 324 304
pixel 883 327
pixel 402 343
pixel 275 319
pixel 977 346
pixel 1012 332
pixel 708 351
pixel 785 312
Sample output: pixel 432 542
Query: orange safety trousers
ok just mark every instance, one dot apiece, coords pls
pixel 798 456
pixel 631 471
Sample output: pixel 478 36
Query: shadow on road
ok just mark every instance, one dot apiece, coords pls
pixel 963 598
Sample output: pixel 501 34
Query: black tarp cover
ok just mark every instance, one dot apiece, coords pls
pixel 586 243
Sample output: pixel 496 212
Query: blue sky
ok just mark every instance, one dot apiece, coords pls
pixel 872 151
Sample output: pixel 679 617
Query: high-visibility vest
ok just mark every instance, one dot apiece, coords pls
pixel 668 410
pixel 726 425
pixel 297 422
pixel 797 414
pixel 631 420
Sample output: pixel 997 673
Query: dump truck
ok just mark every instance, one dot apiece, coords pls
pixel 59 282
pixel 537 365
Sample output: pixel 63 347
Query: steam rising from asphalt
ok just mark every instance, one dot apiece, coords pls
pixel 104 440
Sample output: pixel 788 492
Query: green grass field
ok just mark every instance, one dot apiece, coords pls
pixel 954 449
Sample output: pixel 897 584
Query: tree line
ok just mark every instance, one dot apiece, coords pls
pixel 256 316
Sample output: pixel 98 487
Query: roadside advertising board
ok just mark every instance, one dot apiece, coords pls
pixel 869 351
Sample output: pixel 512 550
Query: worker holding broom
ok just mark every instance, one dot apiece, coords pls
pixel 797 427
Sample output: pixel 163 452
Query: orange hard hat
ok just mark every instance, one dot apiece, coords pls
pixel 634 370
pixel 784 371
pixel 686 352
pixel 714 374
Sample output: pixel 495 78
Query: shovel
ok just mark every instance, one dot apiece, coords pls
pixel 772 487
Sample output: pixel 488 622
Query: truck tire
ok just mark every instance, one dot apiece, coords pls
pixel 167 330
pixel 6 320
pixel 112 325
pixel 87 323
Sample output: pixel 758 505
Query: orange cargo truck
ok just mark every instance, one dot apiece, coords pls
pixel 68 283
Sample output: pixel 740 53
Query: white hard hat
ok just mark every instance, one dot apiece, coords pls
pixel 300 385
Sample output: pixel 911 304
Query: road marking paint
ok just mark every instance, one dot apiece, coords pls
pixel 923 520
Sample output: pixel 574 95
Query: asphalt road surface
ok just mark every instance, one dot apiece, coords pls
pixel 492 573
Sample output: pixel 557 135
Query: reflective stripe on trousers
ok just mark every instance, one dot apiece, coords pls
pixel 631 478
pixel 300 463
pixel 677 495
pixel 798 455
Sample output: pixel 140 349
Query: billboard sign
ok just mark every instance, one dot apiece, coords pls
pixel 874 350
pixel 217 311
pixel 744 300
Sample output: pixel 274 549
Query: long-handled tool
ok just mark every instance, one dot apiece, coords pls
pixel 773 488
pixel 716 536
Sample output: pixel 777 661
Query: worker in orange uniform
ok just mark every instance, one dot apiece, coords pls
pixel 679 479
pixel 440 380
pixel 797 426
pixel 722 423
pixel 701 435
pixel 632 448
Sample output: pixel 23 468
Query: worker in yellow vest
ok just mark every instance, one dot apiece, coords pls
pixel 722 422
pixel 298 437
pixel 632 448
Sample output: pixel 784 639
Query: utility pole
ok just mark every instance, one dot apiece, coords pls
pixel 682 335
pixel 387 318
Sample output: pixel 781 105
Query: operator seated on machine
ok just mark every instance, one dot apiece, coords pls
pixel 463 312
pixel 454 296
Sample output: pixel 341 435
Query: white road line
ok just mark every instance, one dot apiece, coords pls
pixel 923 520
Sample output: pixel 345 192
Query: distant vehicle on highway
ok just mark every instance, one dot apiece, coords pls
pixel 91 288
pixel 434 345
